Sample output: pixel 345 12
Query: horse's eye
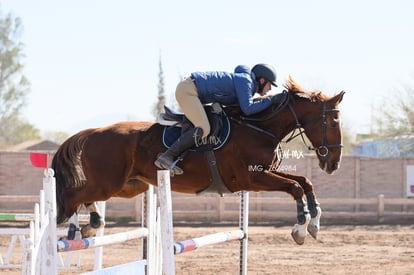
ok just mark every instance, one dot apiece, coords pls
pixel 335 122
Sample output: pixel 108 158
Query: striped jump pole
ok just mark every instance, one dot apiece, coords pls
pixel 16 217
pixel 193 244
pixel 72 245
pixel 26 217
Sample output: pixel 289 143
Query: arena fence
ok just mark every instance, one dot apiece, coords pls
pixel 214 209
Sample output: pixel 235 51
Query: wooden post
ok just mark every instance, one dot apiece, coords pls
pixel 380 207
pixel 357 182
pixel 221 208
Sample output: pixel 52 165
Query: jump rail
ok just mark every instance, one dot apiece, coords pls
pixel 73 245
pixel 26 217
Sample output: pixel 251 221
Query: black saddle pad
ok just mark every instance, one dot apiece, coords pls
pixel 171 134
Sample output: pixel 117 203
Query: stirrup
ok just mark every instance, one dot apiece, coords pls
pixel 173 168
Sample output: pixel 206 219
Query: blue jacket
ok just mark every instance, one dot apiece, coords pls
pixel 230 88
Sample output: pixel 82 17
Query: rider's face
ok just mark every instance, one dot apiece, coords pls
pixel 267 87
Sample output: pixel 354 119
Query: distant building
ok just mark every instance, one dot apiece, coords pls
pixel 397 147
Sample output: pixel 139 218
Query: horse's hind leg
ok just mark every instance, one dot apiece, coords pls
pixel 96 221
pixel 73 227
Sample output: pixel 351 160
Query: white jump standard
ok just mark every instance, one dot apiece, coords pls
pixel 169 248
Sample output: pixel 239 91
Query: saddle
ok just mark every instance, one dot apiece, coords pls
pixel 176 123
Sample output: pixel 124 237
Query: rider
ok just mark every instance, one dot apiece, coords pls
pixel 216 86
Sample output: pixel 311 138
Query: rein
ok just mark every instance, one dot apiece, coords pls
pixel 276 109
pixel 244 123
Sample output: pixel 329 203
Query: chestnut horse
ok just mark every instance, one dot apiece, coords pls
pixel 117 160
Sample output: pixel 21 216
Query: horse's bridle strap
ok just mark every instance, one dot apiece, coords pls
pixel 244 123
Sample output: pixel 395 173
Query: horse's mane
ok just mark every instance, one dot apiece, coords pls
pixel 293 87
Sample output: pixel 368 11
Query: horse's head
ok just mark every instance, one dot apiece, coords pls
pixel 319 116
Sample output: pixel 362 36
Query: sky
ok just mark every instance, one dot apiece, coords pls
pixel 96 62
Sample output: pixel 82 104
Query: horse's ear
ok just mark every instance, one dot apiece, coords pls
pixel 338 98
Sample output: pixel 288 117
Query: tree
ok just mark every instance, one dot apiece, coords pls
pixel 56 136
pixel 159 106
pixel 395 116
pixel 14 131
pixel 14 86
pixel 393 124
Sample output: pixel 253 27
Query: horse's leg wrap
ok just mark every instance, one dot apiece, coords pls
pixel 299 230
pixel 96 222
pixel 312 204
pixel 316 212
pixel 95 219
pixel 73 227
pixel 302 211
pixel 72 231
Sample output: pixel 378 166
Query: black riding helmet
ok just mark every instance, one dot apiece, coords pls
pixel 266 71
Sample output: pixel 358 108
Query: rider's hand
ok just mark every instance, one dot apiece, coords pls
pixel 277 97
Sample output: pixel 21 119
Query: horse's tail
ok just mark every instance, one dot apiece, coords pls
pixel 68 171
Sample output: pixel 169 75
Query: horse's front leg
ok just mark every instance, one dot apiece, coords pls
pixel 96 221
pixel 315 212
pixel 279 182
pixel 299 230
pixel 313 205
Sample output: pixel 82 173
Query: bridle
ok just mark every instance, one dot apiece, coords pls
pixel 321 150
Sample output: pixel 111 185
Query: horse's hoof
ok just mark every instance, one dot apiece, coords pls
pixel 313 230
pixel 299 231
pixel 298 236
pixel 86 231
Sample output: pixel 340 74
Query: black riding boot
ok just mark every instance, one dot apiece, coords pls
pixel 167 159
